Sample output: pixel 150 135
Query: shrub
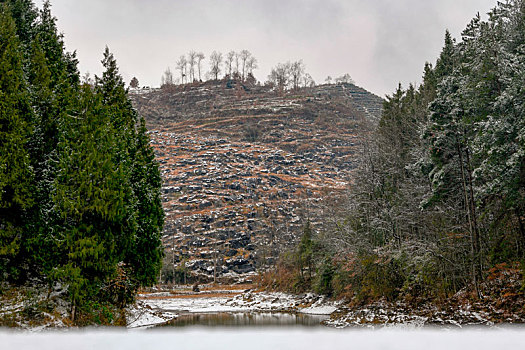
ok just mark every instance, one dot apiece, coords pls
pixel 325 277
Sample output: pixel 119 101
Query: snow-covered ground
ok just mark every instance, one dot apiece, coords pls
pixel 18 303
pixel 158 308
pixel 282 339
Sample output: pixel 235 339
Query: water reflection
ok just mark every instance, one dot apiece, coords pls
pixel 225 319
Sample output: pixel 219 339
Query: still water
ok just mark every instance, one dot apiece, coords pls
pixel 253 319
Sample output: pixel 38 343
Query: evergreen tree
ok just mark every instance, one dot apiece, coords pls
pixel 110 89
pixel 147 252
pixel 134 83
pixel 500 146
pixel 41 245
pixel 305 251
pixel 53 90
pixel 79 185
pixel 15 169
pixel 445 63
pixel 93 203
pixel 143 249
pixel 25 15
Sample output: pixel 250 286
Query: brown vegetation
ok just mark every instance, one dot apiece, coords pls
pixel 243 171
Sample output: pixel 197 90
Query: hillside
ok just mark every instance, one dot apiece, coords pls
pixel 244 166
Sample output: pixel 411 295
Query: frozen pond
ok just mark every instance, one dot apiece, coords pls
pixel 252 319
pixel 281 338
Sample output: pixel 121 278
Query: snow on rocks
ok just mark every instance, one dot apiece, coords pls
pixel 222 154
pixel 33 308
pixel 320 307
pixel 158 309
pixel 141 316
pixel 379 314
pixel 382 314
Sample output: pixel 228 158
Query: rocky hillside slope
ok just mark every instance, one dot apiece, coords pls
pixel 245 166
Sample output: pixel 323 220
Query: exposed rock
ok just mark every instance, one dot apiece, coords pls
pixel 242 167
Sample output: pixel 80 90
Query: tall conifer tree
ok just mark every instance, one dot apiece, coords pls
pixel 146 254
pixel 79 185
pixel 15 168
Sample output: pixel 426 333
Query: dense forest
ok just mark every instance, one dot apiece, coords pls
pixel 437 202
pixel 79 185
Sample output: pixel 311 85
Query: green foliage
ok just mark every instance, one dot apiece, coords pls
pixel 325 276
pixel 15 170
pixel 95 312
pixel 79 184
pixel 120 290
pixel 377 277
pixel 439 195
pixel 502 251
pixel 309 267
pixel 305 251
pixel 25 15
pixel 146 250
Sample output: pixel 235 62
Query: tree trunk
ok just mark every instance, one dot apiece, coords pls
pixel 73 312
pixel 522 230
pixel 474 217
pixel 215 262
pixel 473 246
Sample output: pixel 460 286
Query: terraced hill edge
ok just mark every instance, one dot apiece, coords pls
pixel 244 166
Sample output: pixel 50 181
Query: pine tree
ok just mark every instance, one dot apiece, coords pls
pixel 79 185
pixel 15 169
pixel 445 64
pixel 305 251
pixel 144 249
pixel 93 203
pixel 53 90
pixel 147 252
pixel 500 146
pixel 110 88
pixel 25 15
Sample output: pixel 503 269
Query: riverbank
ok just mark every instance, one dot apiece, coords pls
pixel 156 308
pixel 33 309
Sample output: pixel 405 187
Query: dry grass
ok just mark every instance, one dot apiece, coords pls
pixel 209 291
pixel 233 287
pixel 190 296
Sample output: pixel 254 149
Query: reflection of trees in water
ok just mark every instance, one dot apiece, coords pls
pixel 247 319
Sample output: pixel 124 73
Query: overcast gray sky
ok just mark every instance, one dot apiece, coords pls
pixel 378 42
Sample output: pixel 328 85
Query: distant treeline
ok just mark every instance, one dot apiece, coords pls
pixel 240 66
pixel 79 185
pixel 437 202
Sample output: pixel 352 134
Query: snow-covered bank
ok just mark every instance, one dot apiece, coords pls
pixel 238 308
pixel 33 308
pixel 140 315
pixel 159 308
pixel 386 314
pixel 219 338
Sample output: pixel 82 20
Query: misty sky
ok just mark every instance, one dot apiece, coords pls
pixel 378 42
